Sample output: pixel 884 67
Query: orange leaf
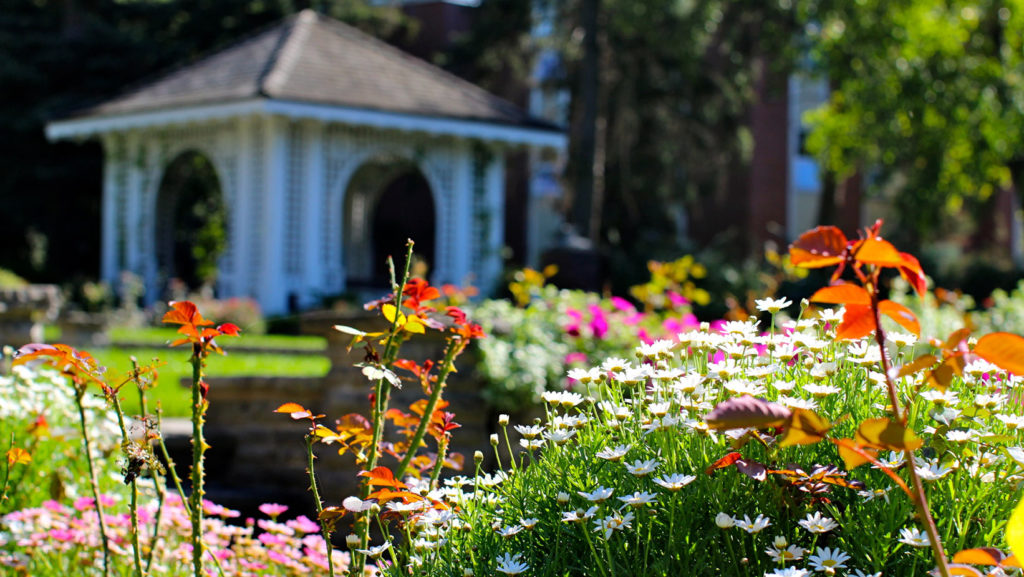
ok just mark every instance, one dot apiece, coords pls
pixel 852 447
pixel 820 247
pixel 804 428
pixel 842 294
pixel 902 315
pixel 295 411
pixel 964 571
pixel 980 556
pixel 885 434
pixel 858 322
pixel 912 272
pixel 920 363
pixel 385 495
pixel 955 338
pixel 942 376
pixel 17 455
pixel 854 456
pixel 384 477
pixel 1005 350
pixel 747 411
pixel 878 252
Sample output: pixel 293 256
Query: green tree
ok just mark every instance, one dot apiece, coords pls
pixel 928 95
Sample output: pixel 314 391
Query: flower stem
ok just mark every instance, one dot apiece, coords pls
pixel 919 497
pixel 454 347
pixel 324 528
pixel 134 504
pixel 198 449
pixel 79 397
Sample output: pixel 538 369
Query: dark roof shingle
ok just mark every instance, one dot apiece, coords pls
pixel 312 58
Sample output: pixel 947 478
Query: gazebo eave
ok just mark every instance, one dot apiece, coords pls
pixel 90 126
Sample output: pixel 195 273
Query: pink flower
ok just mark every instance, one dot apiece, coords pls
pixel 84 503
pixel 303 524
pixel 576 357
pixel 272 510
pixel 644 336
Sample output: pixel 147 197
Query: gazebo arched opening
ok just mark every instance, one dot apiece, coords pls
pixel 387 201
pixel 191 222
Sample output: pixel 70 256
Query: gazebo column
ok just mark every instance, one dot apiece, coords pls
pixel 273 296
pixel 493 233
pixel 112 159
pixel 134 225
pixel 316 202
pixel 241 212
pixel 458 219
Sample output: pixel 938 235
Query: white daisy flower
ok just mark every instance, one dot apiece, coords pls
pixel 579 515
pixel 598 495
pixel 642 468
pixel 639 499
pixel 614 522
pixel 817 523
pixel 529 432
pixel 788 572
pixel 914 537
pixel 675 481
pixel 828 560
pixel 511 564
pixel 783 554
pixel 613 454
pixel 374 552
pixel 725 521
pixel 772 306
pixel 756 526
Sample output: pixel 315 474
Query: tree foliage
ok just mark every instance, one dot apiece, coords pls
pixel 928 95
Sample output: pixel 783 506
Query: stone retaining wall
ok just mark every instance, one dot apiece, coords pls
pixel 259 453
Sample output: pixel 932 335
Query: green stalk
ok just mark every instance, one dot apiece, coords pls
pixel 324 529
pixel 920 499
pixel 93 483
pixel 170 462
pixel 198 449
pixel 454 346
pixel 381 396
pixel 134 504
pixel 442 451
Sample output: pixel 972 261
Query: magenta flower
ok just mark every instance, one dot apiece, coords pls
pixel 677 299
pixel 599 324
pixel 623 305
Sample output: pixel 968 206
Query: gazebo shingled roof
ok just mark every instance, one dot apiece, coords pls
pixel 311 59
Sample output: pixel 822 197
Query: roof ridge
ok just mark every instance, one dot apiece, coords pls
pixel 269 75
pixel 282 61
pixel 392 51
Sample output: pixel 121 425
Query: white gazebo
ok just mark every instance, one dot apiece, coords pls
pixel 329 148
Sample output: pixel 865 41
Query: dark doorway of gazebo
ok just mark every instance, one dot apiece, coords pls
pixel 191 222
pixel 386 203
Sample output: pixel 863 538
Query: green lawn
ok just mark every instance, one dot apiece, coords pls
pixel 174 365
pixel 161 336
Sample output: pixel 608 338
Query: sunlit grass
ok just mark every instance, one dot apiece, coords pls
pixel 161 336
pixel 174 366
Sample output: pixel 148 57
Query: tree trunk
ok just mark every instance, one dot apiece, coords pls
pixel 827 206
pixel 583 189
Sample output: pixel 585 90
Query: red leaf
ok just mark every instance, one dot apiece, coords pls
pixel 902 315
pixel 1005 350
pixel 752 469
pixel 858 322
pixel 723 462
pixel 912 272
pixel 820 247
pixel 229 329
pixel 842 294
pixel 747 411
